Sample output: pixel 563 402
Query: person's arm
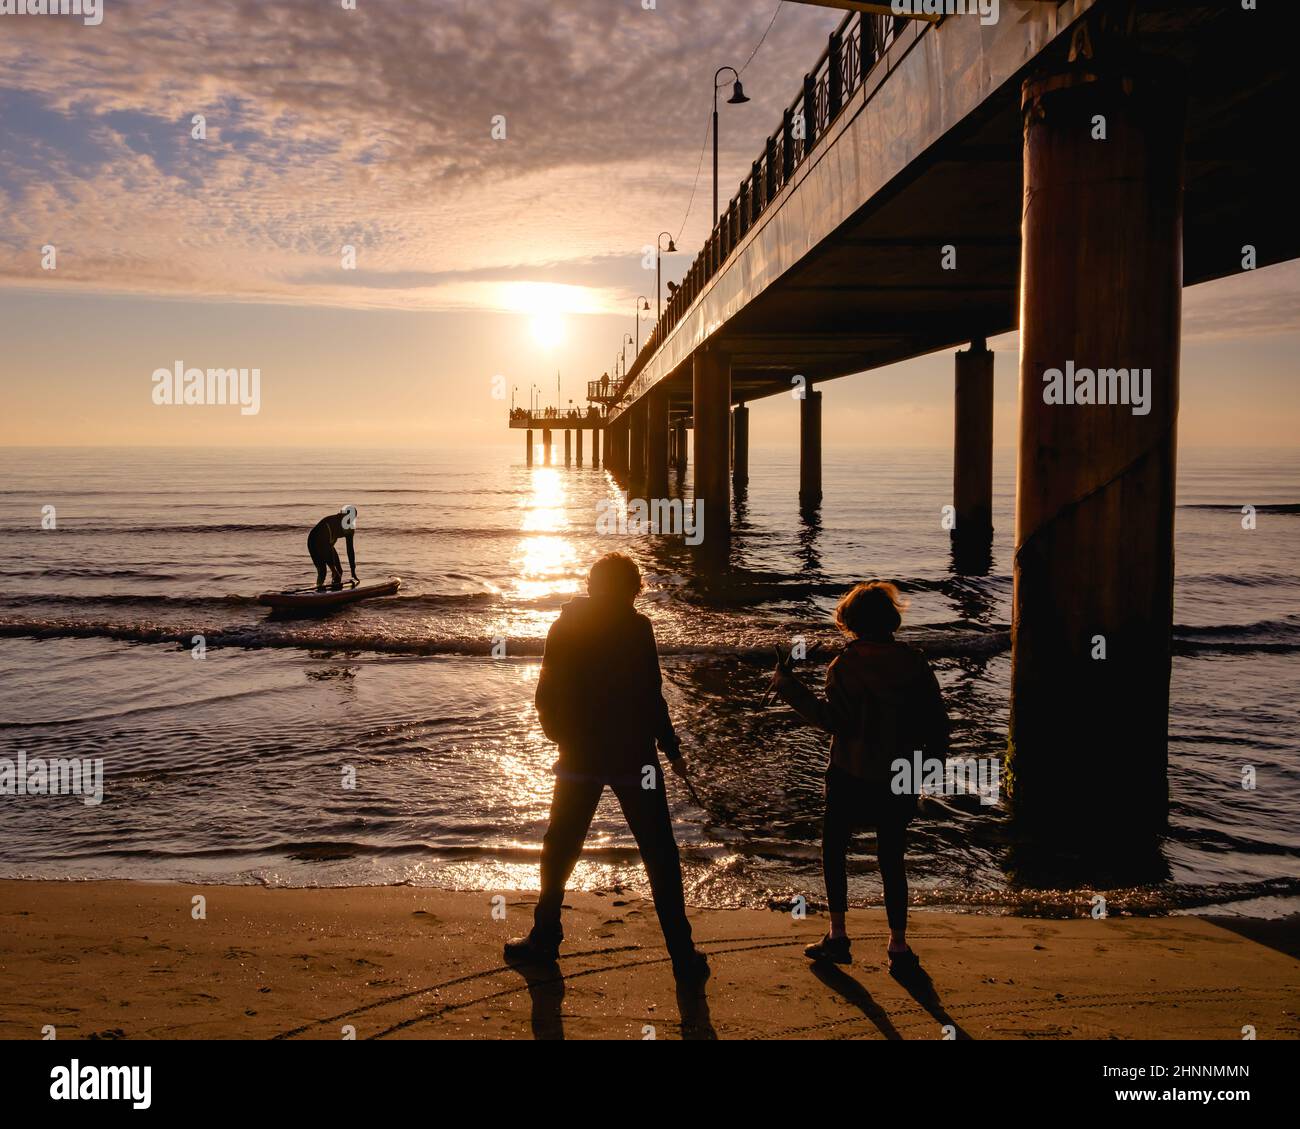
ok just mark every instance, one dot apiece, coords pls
pixel 934 715
pixel 352 556
pixel 831 713
pixel 664 733
pixel 549 691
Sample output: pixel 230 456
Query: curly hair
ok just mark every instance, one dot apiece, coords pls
pixel 870 610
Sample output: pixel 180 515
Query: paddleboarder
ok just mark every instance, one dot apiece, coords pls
pixel 320 544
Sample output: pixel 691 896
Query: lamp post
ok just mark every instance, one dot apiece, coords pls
pixel 642 307
pixel 659 256
pixel 627 340
pixel 737 97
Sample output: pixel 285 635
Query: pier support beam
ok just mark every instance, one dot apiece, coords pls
pixel 568 447
pixel 656 439
pixel 740 447
pixel 578 438
pixel 1101 278
pixel 711 375
pixel 616 441
pixel 972 461
pixel 810 448
pixel 528 446
pixel 595 447
pixel 679 446
pixel 546 446
pixel 636 421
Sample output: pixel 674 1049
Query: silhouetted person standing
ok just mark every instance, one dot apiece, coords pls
pixel 599 698
pixel 882 703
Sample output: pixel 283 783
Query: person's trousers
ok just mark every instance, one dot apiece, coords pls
pixel 646 810
pixel 850 804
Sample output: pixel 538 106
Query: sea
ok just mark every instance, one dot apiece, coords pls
pixel 395 741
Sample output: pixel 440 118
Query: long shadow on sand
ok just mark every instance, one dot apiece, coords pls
pixel 855 993
pixel 546 991
pixel 921 988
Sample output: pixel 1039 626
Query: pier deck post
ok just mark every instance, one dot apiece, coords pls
pixel 740 446
pixel 656 438
pixel 972 460
pixel 528 446
pixel 636 421
pixel 711 379
pixel 1101 278
pixel 679 446
pixel 568 447
pixel 810 448
pixel 578 438
pixel 546 446
pixel 595 447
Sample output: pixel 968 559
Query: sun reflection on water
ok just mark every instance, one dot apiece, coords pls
pixel 545 558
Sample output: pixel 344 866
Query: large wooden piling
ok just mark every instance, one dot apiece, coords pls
pixel 972 461
pixel 656 439
pixel 1101 278
pixel 810 448
pixel 711 377
pixel 740 446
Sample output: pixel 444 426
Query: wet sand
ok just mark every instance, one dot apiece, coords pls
pixel 129 960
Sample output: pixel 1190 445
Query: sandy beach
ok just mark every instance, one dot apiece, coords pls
pixel 129 960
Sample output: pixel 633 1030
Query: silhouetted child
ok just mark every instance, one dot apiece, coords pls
pixel 882 703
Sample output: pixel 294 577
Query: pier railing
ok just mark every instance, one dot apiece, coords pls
pixel 856 48
pixel 558 418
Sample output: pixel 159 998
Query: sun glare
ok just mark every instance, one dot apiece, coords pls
pixel 548 328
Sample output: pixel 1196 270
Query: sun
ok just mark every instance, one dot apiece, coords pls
pixel 548 328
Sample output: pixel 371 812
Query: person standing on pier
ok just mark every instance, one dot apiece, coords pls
pixel 600 698
pixel 882 703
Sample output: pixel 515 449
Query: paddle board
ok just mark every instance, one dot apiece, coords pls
pixel 303 599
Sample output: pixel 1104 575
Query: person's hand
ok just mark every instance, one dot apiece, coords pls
pixel 678 766
pixel 781 678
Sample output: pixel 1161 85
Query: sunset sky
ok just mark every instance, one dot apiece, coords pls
pixel 475 256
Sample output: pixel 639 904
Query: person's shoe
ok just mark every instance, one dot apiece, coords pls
pixel 693 969
pixel 531 950
pixel 902 961
pixel 832 949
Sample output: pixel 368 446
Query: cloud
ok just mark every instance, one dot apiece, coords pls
pixel 372 127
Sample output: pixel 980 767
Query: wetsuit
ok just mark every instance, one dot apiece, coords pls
pixel 320 543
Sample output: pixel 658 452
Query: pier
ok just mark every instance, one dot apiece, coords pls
pixel 1064 171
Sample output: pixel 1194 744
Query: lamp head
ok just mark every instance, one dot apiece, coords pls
pixel 737 94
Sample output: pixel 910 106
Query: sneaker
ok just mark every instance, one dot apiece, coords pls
pixel 531 950
pixel 903 961
pixel 833 949
pixel 693 969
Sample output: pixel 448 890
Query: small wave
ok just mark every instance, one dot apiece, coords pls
pixel 271 634
pixel 1233 507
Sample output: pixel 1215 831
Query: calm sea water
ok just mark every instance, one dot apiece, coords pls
pixel 229 768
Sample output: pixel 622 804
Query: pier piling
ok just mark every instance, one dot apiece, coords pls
pixel 1101 278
